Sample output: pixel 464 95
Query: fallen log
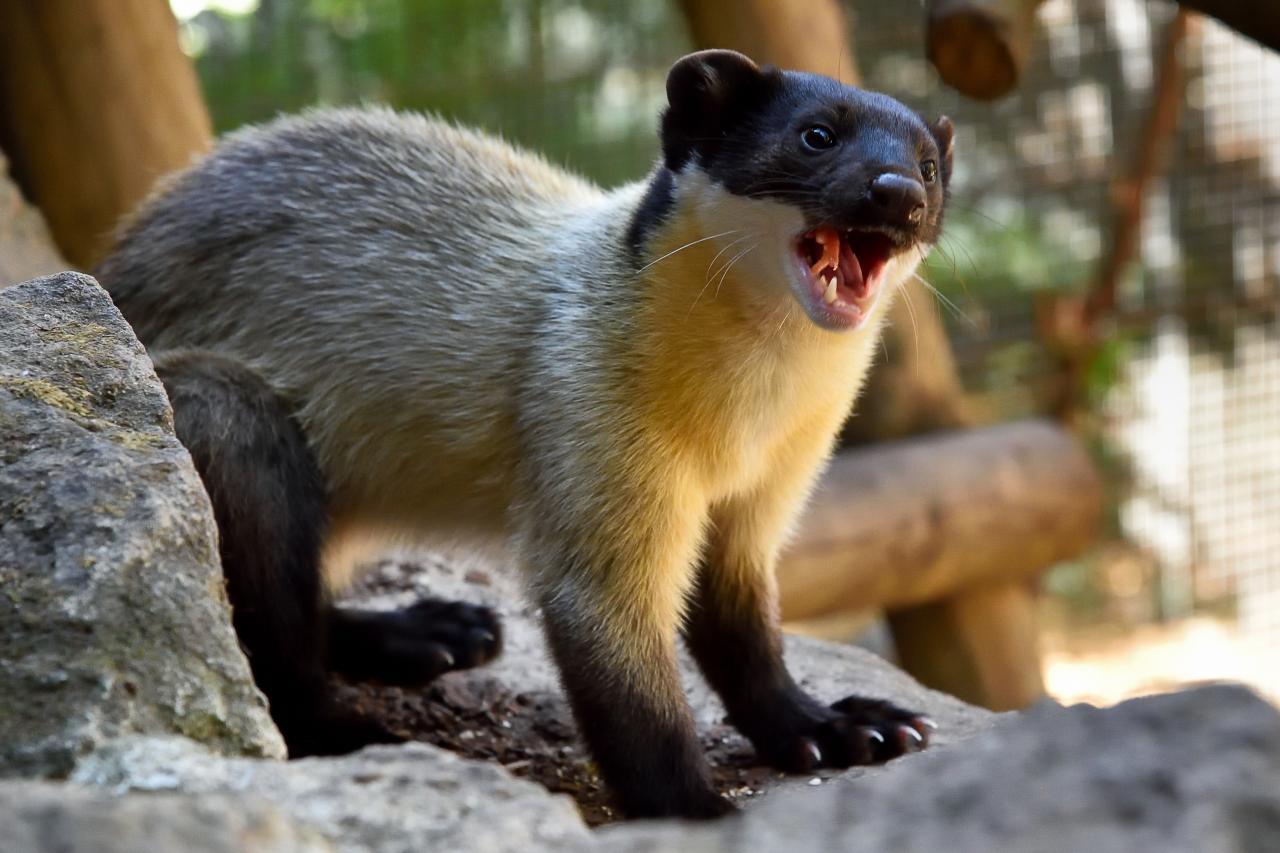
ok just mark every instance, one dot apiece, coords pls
pixel 946 533
pixel 911 521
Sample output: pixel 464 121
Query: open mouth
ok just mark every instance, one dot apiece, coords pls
pixel 842 271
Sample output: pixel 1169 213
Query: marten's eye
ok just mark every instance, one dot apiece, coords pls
pixel 929 170
pixel 818 138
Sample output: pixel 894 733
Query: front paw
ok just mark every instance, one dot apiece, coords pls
pixel 854 731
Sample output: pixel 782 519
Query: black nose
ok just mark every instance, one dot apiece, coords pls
pixel 900 199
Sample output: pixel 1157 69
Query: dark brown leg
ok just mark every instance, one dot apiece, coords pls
pixel 733 633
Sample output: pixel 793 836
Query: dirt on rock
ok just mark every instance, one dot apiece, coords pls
pixel 531 736
pixel 530 733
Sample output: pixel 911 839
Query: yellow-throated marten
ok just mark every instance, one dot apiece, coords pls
pixel 374 320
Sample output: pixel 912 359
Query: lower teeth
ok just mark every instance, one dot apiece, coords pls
pixel 830 296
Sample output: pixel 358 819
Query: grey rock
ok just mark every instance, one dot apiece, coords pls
pixel 26 249
pixel 381 800
pixel 42 817
pixel 113 615
pixel 1191 771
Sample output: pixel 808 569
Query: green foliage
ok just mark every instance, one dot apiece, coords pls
pixel 579 81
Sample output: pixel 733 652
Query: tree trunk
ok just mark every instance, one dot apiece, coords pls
pixel 917 389
pixel 97 101
pixel 808 35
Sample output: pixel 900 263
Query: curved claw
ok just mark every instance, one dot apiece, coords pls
pixel 483 643
pixel 910 739
pixel 810 754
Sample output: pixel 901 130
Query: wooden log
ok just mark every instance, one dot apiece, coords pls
pixel 980 46
pixel 26 249
pixel 97 101
pixel 920 520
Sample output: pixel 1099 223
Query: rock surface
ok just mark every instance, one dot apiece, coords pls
pixel 26 249
pixel 113 617
pixel 384 799
pixel 828 670
pixel 41 817
pixel 1191 771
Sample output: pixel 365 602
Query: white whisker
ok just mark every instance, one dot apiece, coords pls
pixel 786 315
pixel 955 309
pixel 729 265
pixel 711 275
pixel 687 245
pixel 915 330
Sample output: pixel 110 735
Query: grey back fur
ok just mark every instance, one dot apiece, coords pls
pixel 390 275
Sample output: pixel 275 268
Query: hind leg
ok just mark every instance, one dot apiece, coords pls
pixel 269 501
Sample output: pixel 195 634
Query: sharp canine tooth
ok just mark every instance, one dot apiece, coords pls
pixel 830 296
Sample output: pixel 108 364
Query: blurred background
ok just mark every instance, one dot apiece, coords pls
pixel 1111 261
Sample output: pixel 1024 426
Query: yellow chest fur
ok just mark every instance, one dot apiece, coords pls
pixel 731 375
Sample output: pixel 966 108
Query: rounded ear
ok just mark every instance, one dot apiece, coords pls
pixel 707 93
pixel 944 131
pixel 708 78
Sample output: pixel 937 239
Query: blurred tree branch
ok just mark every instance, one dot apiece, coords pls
pixel 1075 326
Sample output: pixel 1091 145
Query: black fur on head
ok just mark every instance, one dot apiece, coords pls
pixel 710 93
pixel 808 141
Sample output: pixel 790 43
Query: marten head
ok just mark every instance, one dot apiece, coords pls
pixel 842 188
